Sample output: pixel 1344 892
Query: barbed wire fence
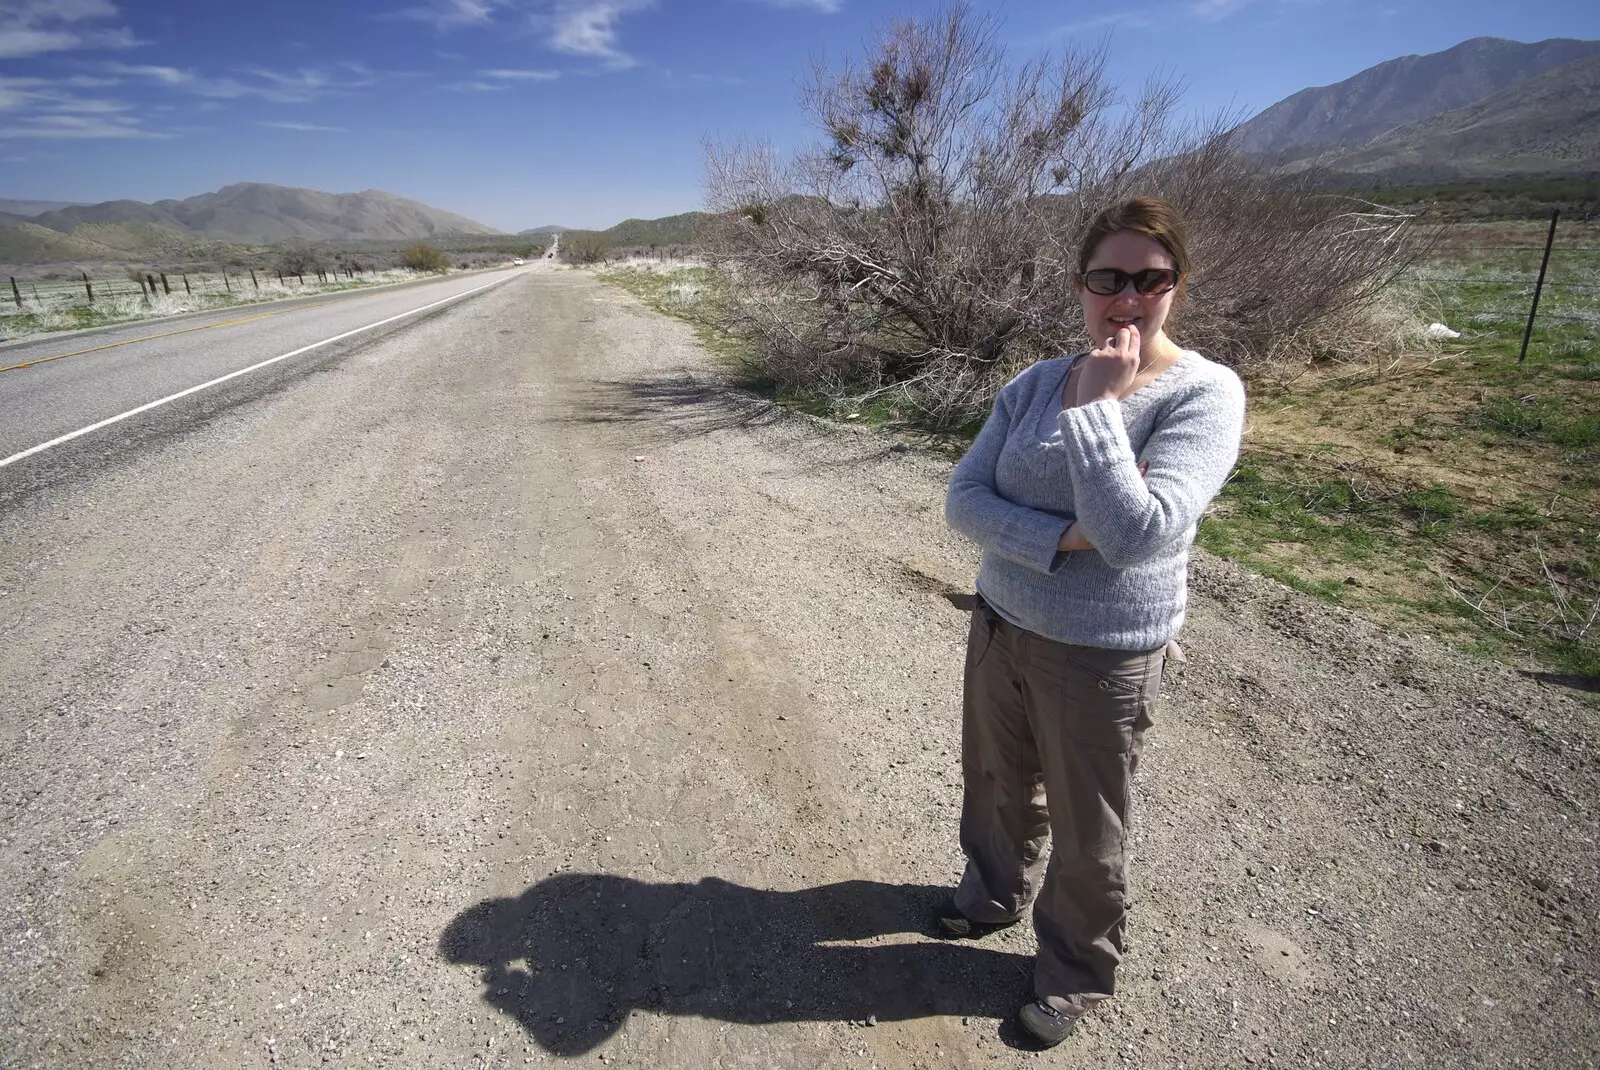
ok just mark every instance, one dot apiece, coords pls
pixel 31 306
pixel 1535 285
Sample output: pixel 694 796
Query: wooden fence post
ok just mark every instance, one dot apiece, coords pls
pixel 88 287
pixel 225 283
pixel 16 294
pixel 186 283
pixel 152 280
pixel 165 285
pixel 253 281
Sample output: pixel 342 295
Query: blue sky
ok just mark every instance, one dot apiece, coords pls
pixel 579 112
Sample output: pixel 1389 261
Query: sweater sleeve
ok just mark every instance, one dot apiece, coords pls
pixel 1131 520
pixel 974 507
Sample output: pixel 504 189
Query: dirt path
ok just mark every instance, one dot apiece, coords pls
pixel 405 718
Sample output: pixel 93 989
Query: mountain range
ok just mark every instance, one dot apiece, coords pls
pixel 31 208
pixel 1487 108
pixel 255 213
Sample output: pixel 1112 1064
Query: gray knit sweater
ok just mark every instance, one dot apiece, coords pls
pixel 1036 467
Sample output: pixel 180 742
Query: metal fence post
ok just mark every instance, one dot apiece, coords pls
pixel 16 294
pixel 88 287
pixel 1533 310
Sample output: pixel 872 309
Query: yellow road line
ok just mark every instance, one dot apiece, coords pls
pixel 149 337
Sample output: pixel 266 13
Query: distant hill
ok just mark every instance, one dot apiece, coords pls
pixel 29 243
pixel 257 213
pixel 1546 125
pixel 668 230
pixel 1402 91
pixel 639 233
pixel 28 209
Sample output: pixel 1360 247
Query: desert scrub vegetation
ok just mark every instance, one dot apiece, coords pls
pixel 1453 489
pixel 583 247
pixel 924 247
pixel 421 256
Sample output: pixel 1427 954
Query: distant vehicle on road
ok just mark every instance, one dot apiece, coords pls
pixel 517 260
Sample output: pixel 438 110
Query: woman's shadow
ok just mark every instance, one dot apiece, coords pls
pixel 573 955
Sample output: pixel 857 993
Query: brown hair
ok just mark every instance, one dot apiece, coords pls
pixel 1152 217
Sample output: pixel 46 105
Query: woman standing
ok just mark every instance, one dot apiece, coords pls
pixel 1084 489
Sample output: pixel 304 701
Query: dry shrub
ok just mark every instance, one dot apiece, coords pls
pixel 583 248
pixel 421 256
pixel 296 257
pixel 927 246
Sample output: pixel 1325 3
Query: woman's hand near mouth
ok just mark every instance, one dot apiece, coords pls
pixel 1110 369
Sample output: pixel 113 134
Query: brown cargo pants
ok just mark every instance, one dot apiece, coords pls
pixel 1051 735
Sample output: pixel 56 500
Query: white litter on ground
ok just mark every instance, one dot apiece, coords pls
pixel 1439 330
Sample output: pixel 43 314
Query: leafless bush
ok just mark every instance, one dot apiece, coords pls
pixel 579 248
pixel 297 258
pixel 927 245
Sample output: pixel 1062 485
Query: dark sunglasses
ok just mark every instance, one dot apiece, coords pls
pixel 1150 281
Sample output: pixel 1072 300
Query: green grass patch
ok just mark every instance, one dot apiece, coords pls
pixel 1517 579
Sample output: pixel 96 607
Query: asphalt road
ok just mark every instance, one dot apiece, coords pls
pixel 55 387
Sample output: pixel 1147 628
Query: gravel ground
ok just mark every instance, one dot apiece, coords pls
pixel 506 690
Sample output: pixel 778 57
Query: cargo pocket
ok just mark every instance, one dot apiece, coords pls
pixel 1100 693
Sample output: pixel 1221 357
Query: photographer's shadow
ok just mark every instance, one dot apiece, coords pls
pixel 573 955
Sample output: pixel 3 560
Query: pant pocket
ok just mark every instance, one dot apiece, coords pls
pixel 980 634
pixel 1100 695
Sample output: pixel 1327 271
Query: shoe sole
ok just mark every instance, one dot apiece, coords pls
pixel 1045 1030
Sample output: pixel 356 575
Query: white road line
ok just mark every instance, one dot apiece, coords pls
pixel 69 436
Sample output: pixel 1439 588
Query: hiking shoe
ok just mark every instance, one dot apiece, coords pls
pixel 1046 1024
pixel 951 924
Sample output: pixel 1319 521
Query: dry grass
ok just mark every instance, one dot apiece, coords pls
pixel 1398 489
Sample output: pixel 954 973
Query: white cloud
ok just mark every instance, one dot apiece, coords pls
pixel 307 127
pixel 444 15
pixel 521 74
pixel 294 87
pixel 589 28
pixel 282 87
pixel 164 75
pixel 36 27
pixel 477 87
pixel 39 98
pixel 586 28
pixel 76 127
